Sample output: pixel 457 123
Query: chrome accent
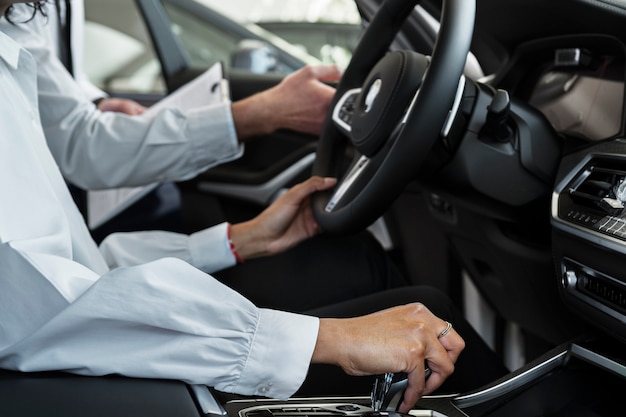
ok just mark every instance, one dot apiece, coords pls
pixel 599 360
pixel 425 413
pixel 382 384
pixel 347 182
pixel 207 402
pixel 511 383
pixel 570 279
pixel 260 193
pixel 456 105
pixel 310 409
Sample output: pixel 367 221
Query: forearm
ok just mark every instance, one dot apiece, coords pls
pixel 255 116
pixel 327 350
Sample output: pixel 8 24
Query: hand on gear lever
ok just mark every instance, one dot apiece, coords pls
pixel 386 394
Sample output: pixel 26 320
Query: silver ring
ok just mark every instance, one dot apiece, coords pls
pixel 446 330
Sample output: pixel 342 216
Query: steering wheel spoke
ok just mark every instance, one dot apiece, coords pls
pixel 355 172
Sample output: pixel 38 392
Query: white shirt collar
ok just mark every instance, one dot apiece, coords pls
pixel 9 50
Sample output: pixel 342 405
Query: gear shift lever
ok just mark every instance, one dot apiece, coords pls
pixel 386 394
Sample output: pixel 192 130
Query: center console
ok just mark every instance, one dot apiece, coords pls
pixel 576 379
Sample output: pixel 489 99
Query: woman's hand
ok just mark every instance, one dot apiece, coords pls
pixel 284 224
pixel 399 339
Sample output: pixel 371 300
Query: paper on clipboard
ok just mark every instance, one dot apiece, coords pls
pixel 206 89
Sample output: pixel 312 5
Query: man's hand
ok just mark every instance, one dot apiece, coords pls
pixel 121 105
pixel 284 224
pixel 299 102
pixel 399 339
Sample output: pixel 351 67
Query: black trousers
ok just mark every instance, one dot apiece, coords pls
pixel 318 272
pixel 351 276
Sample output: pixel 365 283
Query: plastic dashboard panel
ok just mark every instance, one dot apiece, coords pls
pixel 589 250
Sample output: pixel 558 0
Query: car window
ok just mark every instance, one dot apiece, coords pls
pixel 326 29
pixel 205 44
pixel 209 37
pixel 118 54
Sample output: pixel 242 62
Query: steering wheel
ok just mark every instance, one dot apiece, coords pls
pixel 388 112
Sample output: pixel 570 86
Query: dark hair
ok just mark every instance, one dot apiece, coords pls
pixel 38 6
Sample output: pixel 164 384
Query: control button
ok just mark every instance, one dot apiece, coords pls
pixel 570 279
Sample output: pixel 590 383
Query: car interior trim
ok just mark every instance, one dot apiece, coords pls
pixel 263 193
pixel 587 284
pixel 575 176
pixel 347 182
pixel 512 383
pixel 456 105
pixel 206 401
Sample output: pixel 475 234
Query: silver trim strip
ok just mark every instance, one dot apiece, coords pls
pixel 333 407
pixel 456 105
pixel 262 193
pixel 599 360
pixel 510 384
pixel 356 171
pixel 207 402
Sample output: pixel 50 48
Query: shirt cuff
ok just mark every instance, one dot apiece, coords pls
pixel 210 249
pixel 281 354
pixel 212 131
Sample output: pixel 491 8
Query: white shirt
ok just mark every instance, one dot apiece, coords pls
pixel 63 308
pixel 99 150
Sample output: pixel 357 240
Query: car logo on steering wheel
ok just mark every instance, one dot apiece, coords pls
pixel 372 94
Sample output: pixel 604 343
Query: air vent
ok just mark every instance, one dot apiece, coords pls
pixel 602 291
pixel 600 189
pixel 608 293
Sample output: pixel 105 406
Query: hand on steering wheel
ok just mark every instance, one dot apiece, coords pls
pixel 388 112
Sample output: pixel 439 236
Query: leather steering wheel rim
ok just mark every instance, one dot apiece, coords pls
pixel 398 161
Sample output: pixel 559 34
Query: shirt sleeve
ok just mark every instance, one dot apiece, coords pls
pixel 163 319
pixel 208 250
pixel 98 150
